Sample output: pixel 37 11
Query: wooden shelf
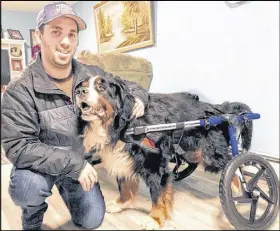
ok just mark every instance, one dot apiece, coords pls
pixel 15 62
pixel 17 58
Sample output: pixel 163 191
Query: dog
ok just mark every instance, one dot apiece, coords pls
pixel 105 107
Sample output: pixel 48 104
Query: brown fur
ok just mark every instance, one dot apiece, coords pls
pixel 129 189
pixel 109 112
pixel 162 209
pixel 198 156
pixel 85 84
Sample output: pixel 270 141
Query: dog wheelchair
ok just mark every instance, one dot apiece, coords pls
pixel 241 165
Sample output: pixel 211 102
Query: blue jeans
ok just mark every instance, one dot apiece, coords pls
pixel 29 190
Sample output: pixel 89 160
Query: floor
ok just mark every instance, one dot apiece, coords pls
pixel 197 206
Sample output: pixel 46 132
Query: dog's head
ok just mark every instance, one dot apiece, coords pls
pixel 105 99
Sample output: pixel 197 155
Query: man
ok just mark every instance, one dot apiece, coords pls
pixel 39 125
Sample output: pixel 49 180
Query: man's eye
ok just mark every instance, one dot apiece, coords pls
pixel 55 32
pixel 72 35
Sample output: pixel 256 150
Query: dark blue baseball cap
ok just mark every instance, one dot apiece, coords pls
pixel 58 9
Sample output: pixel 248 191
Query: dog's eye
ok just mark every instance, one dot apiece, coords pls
pixel 100 87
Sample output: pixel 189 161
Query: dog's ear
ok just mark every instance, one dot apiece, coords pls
pixel 81 124
pixel 124 100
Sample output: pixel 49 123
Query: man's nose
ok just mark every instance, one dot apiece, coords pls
pixel 65 41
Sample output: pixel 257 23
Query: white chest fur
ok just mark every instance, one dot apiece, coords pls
pixel 116 161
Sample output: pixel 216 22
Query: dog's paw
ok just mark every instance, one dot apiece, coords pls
pixel 113 207
pixel 150 224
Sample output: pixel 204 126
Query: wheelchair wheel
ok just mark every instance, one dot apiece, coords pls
pixel 250 201
pixel 183 169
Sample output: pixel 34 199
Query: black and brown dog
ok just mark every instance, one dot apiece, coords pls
pixel 106 105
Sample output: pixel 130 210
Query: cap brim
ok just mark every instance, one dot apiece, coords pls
pixel 81 23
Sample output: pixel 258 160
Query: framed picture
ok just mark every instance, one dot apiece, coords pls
pixel 16 65
pixel 15 52
pixel 35 47
pixel 123 25
pixel 15 34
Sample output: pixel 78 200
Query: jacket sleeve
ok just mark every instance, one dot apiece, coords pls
pixel 20 139
pixel 135 89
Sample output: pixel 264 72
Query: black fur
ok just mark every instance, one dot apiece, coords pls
pixel 178 107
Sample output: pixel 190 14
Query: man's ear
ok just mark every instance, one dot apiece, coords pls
pixel 38 36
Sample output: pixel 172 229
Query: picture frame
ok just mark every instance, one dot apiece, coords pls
pixel 120 29
pixel 15 34
pixel 16 65
pixel 15 52
pixel 34 45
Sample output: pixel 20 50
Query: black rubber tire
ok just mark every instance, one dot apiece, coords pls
pixel 227 202
pixel 185 173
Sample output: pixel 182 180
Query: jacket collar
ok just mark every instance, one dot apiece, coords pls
pixel 43 84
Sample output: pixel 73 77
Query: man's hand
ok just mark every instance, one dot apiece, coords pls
pixel 138 108
pixel 88 177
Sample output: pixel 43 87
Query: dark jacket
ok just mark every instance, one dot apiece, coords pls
pixel 39 122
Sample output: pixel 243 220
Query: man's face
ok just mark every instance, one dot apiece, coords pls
pixel 59 41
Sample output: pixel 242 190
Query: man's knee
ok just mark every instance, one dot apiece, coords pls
pixel 29 188
pixel 92 220
pixel 93 210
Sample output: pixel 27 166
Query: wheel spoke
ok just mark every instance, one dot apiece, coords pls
pixel 242 199
pixel 253 211
pixel 255 179
pixel 264 196
pixel 243 181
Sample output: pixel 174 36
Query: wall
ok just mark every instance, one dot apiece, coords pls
pixel 207 48
pixel 22 21
pixel 88 36
pixel 217 52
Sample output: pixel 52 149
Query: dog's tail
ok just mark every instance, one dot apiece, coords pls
pixel 246 129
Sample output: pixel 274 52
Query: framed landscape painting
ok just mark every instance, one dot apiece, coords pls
pixel 123 25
